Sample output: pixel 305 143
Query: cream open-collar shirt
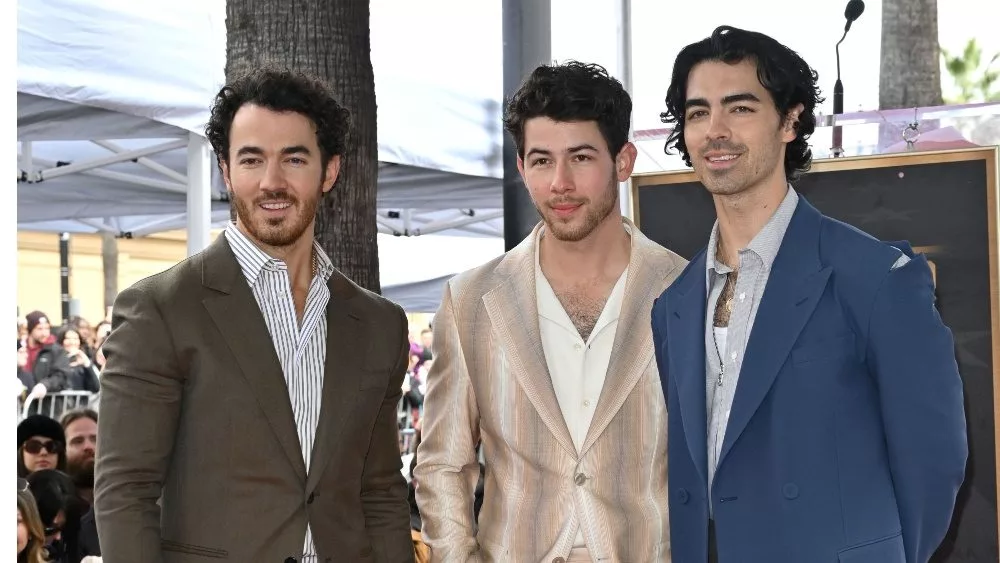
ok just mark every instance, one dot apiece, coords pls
pixel 577 367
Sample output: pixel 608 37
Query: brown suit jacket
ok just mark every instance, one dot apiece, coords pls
pixel 195 412
pixel 490 382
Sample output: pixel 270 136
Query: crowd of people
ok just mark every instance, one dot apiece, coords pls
pixel 56 438
pixel 55 469
pixel 53 359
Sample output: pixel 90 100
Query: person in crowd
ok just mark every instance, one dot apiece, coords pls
pixel 86 333
pixel 47 362
pixel 80 427
pixel 22 330
pixel 41 444
pixel 30 532
pixel 83 374
pixel 60 509
pixel 101 332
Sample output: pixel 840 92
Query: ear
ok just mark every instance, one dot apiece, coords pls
pixel 224 168
pixel 332 171
pixel 789 130
pixel 625 162
pixel 520 166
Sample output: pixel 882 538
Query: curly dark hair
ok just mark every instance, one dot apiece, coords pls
pixel 280 89
pixel 788 78
pixel 572 91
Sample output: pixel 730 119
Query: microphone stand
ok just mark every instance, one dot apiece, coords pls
pixel 838 104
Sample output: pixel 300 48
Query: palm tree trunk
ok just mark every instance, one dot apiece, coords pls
pixel 910 72
pixel 331 40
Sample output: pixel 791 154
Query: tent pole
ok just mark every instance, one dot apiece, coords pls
pixel 199 195
pixel 624 28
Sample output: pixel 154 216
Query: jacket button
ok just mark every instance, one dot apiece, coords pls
pixel 290 560
pixel 683 496
pixel 580 479
pixel 312 497
pixel 790 490
pixel 558 560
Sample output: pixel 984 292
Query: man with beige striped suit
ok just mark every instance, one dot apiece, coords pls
pixel 544 356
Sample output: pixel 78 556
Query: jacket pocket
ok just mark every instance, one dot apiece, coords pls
pixel 168 545
pixel 885 550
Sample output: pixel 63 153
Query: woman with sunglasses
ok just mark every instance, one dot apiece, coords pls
pixel 30 534
pixel 41 444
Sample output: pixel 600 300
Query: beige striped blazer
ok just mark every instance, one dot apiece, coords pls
pixel 490 383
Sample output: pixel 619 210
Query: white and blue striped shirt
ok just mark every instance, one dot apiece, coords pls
pixel 301 349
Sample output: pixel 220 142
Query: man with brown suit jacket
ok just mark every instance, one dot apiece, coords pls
pixel 544 356
pixel 249 399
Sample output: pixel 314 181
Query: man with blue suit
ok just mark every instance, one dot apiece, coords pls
pixel 814 403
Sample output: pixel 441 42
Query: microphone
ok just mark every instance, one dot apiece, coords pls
pixel 853 11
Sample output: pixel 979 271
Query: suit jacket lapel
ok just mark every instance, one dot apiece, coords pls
pixel 686 312
pixel 238 318
pixel 344 363
pixel 795 284
pixel 633 347
pixel 514 313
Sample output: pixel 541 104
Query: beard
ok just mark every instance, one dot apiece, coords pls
pixel 81 471
pixel 280 231
pixel 753 167
pixel 575 228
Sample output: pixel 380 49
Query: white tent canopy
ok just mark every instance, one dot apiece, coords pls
pixel 113 99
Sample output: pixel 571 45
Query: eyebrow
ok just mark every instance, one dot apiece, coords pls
pixel 730 99
pixel 296 149
pixel 571 150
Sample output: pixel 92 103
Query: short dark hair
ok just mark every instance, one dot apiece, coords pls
pixel 280 89
pixel 572 91
pixel 785 75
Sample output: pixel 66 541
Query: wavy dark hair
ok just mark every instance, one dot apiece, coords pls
pixel 572 91
pixel 281 90
pixel 788 78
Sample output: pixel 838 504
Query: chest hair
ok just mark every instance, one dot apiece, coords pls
pixel 584 303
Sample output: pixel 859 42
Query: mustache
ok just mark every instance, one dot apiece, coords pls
pixel 274 197
pixel 722 146
pixel 566 201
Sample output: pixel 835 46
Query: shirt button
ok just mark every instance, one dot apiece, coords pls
pixel 743 296
pixel 577 346
pixel 586 403
pixel 733 355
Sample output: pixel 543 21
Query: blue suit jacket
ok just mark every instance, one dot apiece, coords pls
pixel 847 438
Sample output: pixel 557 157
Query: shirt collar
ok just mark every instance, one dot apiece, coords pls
pixel 253 260
pixel 765 244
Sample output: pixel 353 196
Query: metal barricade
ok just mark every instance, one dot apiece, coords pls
pixel 54 405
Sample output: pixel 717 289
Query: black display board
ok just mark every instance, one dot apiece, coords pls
pixel 945 204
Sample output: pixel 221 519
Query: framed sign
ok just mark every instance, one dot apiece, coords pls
pixel 945 204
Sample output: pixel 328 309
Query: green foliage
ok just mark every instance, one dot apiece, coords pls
pixel 974 84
